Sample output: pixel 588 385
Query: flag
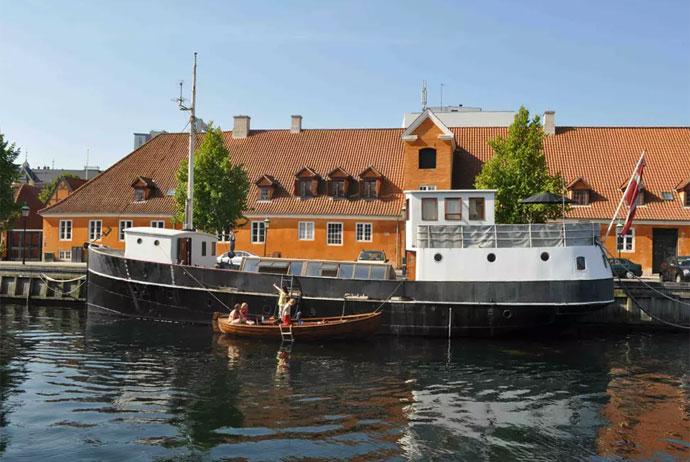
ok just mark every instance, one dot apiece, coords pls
pixel 632 192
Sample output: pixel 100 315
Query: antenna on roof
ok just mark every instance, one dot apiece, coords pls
pixel 189 201
pixel 423 95
pixel 180 100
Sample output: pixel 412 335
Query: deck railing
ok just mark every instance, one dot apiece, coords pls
pixel 503 236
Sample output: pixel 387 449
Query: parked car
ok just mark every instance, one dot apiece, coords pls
pixel 372 255
pixel 233 258
pixel 624 268
pixel 675 269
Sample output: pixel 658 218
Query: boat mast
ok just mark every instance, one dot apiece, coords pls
pixel 189 201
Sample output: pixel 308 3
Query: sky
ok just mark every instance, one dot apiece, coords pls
pixel 80 77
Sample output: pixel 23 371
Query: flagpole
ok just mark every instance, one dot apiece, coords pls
pixel 625 193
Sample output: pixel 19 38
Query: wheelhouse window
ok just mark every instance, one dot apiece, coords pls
pixel 334 234
pixel 258 232
pixel 203 248
pixel 305 231
pixel 476 208
pixel 581 197
pixel 124 224
pixel 429 209
pixel 370 189
pixel 65 230
pixel 625 242
pixel 427 158
pixel 95 230
pixel 453 208
pixel 363 232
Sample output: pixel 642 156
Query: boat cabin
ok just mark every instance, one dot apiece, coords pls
pixel 319 268
pixel 171 246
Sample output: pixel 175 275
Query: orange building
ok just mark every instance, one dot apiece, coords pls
pixel 331 193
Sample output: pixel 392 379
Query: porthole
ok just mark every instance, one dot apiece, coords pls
pixel 507 314
pixel 438 257
pixel 545 256
pixel 156 242
pixel 139 241
pixel 491 257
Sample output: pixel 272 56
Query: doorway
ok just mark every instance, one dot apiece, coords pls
pixel 664 245
pixel 184 251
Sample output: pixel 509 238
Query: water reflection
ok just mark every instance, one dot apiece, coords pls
pixel 108 389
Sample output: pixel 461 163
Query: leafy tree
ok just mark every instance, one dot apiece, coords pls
pixel 518 170
pixel 9 173
pixel 220 187
pixel 48 189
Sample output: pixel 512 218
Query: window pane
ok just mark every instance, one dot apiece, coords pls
pixel 581 263
pixel 346 270
pixel 361 271
pixel 296 268
pixel 334 234
pixel 378 272
pixel 477 208
pixel 314 269
pixel 250 265
pixel 429 209
pixel 453 210
pixel 427 158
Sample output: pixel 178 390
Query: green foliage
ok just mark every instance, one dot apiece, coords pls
pixel 9 173
pixel 220 188
pixel 518 170
pixel 48 189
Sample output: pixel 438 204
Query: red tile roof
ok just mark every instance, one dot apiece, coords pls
pixel 604 156
pixel 74 183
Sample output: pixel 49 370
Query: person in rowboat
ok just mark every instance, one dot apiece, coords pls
pixel 285 312
pixel 244 312
pixel 282 297
pixel 235 315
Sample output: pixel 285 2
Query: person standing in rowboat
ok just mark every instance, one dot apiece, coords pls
pixel 285 312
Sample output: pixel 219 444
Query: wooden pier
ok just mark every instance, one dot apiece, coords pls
pixel 45 282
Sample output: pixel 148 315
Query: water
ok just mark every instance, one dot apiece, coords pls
pixel 77 388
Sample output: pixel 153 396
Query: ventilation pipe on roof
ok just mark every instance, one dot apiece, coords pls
pixel 241 127
pixel 296 124
pixel 549 122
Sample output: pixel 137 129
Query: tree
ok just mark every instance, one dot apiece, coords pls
pixel 220 187
pixel 518 170
pixel 9 173
pixel 48 190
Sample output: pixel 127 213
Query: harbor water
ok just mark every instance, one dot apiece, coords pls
pixel 77 387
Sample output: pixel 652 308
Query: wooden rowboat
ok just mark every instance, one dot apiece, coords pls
pixel 330 328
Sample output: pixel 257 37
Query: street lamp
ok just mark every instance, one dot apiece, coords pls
pixel 267 222
pixel 25 215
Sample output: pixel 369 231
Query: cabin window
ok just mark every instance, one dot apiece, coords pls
pixel 580 261
pixel 369 189
pixel 305 231
pixel 581 197
pixel 338 188
pixel 203 248
pixel 213 249
pixel 124 224
pixel 139 194
pixel 364 232
pixel 296 268
pixel 346 270
pixel 429 209
pixel 361 271
pixel 258 232
pixel 313 269
pixel 250 265
pixel 453 208
pixel 157 224
pixel 329 270
pixel 334 234
pixel 95 230
pixel 625 242
pixel 305 188
pixel 264 194
pixel 378 272
pixel 65 230
pixel 427 158
pixel 476 208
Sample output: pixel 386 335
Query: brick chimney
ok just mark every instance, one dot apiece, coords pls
pixel 296 125
pixel 549 122
pixel 241 127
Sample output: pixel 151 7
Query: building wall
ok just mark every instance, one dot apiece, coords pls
pixel 283 238
pixel 441 176
pixel 61 191
pixel 642 243
pixel 80 231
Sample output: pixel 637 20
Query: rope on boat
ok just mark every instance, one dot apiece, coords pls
pixel 389 297
pixel 637 303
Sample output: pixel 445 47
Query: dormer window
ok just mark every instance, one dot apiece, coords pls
pixel 306 183
pixel 683 189
pixel 304 188
pixel 339 183
pixel 580 191
pixel 143 188
pixel 264 194
pixel 640 196
pixel 370 184
pixel 267 186
pixel 339 188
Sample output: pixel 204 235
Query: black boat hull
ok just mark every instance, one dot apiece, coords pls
pixel 191 294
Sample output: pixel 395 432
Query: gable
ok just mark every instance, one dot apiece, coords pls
pixel 428 124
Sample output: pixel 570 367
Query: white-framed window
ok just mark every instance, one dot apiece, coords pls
pixel 66 230
pixel 581 197
pixel 258 232
pixel 625 242
pixel 95 230
pixel 264 194
pixel 305 231
pixel 124 224
pixel 64 255
pixel 427 187
pixel 157 224
pixel 334 234
pixel 364 232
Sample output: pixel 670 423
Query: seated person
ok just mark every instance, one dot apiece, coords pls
pixel 244 312
pixel 235 315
